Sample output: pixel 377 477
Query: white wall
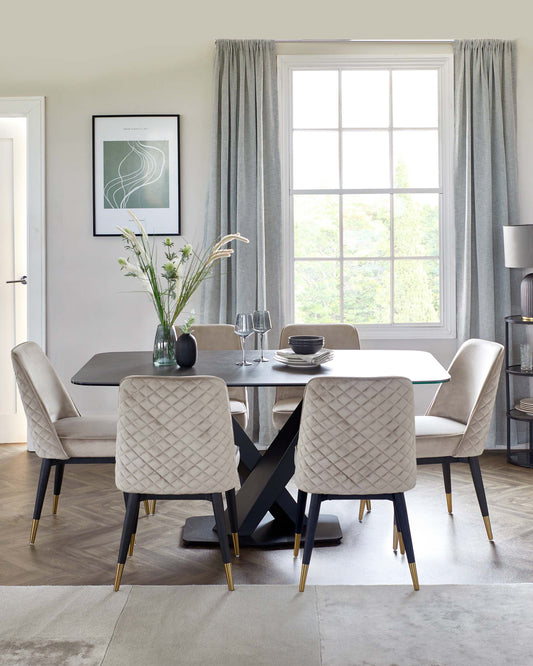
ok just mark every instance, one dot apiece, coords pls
pixel 118 57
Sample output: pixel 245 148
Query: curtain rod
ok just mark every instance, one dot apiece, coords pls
pixel 364 41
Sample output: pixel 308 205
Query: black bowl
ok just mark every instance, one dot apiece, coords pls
pixel 306 344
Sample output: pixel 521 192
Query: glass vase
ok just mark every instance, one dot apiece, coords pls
pixel 165 345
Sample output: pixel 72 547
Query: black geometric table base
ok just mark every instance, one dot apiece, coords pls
pixel 200 531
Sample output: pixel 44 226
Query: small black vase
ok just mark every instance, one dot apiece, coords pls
pixel 186 350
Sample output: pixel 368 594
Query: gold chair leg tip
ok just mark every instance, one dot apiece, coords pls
pixel 414 576
pixel 303 577
pixel 33 533
pixel 118 577
pixel 55 504
pixel 236 547
pixel 449 502
pixel 229 576
pixel 297 540
pixel 488 527
pixel 131 546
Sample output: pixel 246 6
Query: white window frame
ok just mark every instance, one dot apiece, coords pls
pixel 446 328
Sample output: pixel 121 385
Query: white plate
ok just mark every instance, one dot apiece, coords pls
pixel 293 363
pixel 526 411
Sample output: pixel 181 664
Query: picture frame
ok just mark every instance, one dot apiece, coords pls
pixel 136 167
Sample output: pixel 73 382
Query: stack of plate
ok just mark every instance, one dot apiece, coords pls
pixel 526 405
pixel 288 357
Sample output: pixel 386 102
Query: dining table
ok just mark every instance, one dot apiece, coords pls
pixel 266 509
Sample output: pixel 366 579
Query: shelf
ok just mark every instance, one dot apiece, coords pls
pixel 521 457
pixel 519 416
pixel 515 370
pixel 517 319
pixel 517 455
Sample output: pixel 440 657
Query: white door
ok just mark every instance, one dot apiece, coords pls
pixel 21 246
pixel 13 266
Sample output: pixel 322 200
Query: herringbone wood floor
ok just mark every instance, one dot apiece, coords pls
pixel 79 545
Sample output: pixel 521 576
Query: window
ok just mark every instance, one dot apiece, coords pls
pixel 367 174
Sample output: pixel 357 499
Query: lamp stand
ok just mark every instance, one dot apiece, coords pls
pixel 526 297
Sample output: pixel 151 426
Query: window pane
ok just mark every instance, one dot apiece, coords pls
pixel 367 292
pixel 415 98
pixel 315 99
pixel 316 291
pixel 316 160
pixel 416 225
pixel 416 158
pixel 365 98
pixel 316 225
pixel 365 159
pixel 416 291
pixel 366 220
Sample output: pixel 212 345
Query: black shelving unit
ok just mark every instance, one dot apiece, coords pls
pixel 515 455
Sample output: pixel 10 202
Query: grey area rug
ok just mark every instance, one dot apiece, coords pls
pixel 267 624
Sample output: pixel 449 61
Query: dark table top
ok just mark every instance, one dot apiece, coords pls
pixel 108 369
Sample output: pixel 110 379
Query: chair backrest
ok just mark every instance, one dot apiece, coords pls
pixel 470 394
pixel 357 436
pixel 337 336
pixel 214 337
pixel 44 398
pixel 174 436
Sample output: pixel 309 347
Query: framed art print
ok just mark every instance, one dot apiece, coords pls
pixel 136 167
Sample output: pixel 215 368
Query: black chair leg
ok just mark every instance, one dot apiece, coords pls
pixel 300 514
pixel 134 529
pixel 312 520
pixel 220 520
pixel 58 480
pixel 233 521
pixel 447 476
pixel 400 510
pixel 130 522
pixel 475 470
pixel 46 466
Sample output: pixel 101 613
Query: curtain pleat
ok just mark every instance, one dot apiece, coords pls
pixel 486 192
pixel 245 194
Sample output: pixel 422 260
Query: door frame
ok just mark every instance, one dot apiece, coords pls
pixel 32 108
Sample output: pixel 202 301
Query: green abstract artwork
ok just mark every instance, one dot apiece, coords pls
pixel 136 174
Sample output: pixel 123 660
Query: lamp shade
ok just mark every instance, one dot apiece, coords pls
pixel 518 246
pixel 518 251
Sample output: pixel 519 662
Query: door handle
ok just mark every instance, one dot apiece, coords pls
pixel 23 280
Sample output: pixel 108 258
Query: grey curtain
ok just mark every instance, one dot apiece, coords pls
pixel 245 192
pixel 486 196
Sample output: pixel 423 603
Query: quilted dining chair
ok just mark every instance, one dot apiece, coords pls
pixel 175 441
pixel 456 423
pixel 337 336
pixel 214 337
pixel 220 337
pixel 356 441
pixel 60 435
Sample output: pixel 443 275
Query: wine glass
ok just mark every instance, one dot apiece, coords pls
pixel 262 325
pixel 244 326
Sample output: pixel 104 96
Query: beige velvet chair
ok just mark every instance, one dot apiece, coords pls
pixel 60 435
pixel 456 423
pixel 337 336
pixel 213 337
pixel 356 441
pixel 175 441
